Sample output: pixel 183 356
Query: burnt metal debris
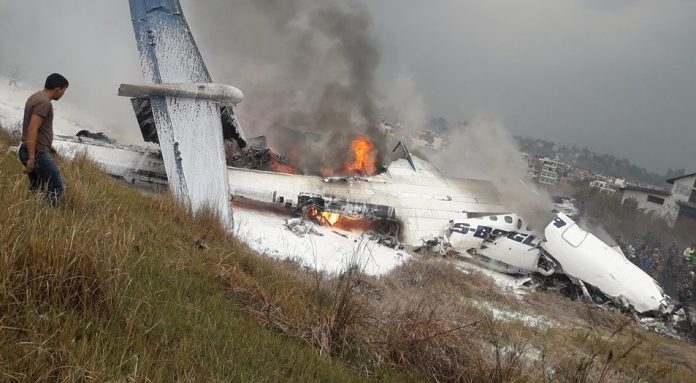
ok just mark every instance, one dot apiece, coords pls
pixel 255 159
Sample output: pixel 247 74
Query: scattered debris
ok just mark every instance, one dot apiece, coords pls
pixel 348 180
pixel 300 227
pixel 260 159
pixel 566 206
pixel 95 136
pixel 386 240
pixel 297 226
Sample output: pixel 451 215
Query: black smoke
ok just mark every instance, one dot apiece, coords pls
pixel 308 74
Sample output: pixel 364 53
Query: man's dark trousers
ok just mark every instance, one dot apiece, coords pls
pixel 45 175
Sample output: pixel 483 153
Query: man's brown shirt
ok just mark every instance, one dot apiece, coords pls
pixel 40 105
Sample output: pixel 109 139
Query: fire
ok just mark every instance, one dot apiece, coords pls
pixel 281 168
pixel 342 222
pixel 330 218
pixel 364 158
pixel 324 217
pixel 364 161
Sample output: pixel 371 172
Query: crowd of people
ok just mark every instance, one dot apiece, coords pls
pixel 675 269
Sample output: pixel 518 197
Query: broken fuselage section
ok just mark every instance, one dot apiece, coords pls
pixel 420 202
pixel 583 256
pixel 500 242
pixel 505 243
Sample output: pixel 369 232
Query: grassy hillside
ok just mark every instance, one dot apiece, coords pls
pixel 117 286
pixel 113 286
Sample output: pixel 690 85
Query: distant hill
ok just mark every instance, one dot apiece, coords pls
pixel 606 164
pixel 440 129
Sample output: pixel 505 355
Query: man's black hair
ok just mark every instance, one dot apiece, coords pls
pixel 56 80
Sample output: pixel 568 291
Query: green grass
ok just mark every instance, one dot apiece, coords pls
pixel 110 286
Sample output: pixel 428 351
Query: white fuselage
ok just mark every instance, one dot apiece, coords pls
pixel 423 201
pixel 133 164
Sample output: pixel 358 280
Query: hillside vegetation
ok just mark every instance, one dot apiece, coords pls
pixel 112 286
pixel 115 285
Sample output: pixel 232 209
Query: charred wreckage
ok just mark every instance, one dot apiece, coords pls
pixel 408 199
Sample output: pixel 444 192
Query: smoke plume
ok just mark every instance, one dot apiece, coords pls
pixel 483 149
pixel 308 75
pixel 307 67
pixel 486 150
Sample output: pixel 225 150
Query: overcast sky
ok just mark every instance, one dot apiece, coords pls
pixel 617 76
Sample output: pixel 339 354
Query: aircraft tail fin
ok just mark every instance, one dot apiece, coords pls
pixel 405 154
pixel 231 130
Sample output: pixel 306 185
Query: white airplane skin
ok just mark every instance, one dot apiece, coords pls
pixel 422 201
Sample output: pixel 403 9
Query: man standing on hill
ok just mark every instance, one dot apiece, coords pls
pixel 37 152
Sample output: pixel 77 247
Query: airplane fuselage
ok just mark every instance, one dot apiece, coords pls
pixel 422 201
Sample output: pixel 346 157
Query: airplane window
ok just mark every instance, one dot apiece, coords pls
pixel 493 218
pixel 574 235
pixel 519 224
pixel 508 219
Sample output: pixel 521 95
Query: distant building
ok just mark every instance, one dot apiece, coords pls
pixel 547 171
pixel 603 186
pixel 684 195
pixel 673 206
pixel 650 201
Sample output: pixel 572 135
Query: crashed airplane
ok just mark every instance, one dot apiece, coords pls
pixel 505 243
pixel 463 216
pixel 409 192
pixel 189 117
pixel 460 216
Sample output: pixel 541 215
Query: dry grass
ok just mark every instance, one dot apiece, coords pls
pixel 56 257
pixel 118 289
pixel 420 320
pixel 7 139
pixel 113 286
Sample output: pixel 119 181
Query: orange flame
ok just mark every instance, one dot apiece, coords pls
pixel 324 217
pixel 364 158
pixel 280 168
pixel 330 218
pixel 342 222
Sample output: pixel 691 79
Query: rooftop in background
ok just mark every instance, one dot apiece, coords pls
pixel 646 190
pixel 671 180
